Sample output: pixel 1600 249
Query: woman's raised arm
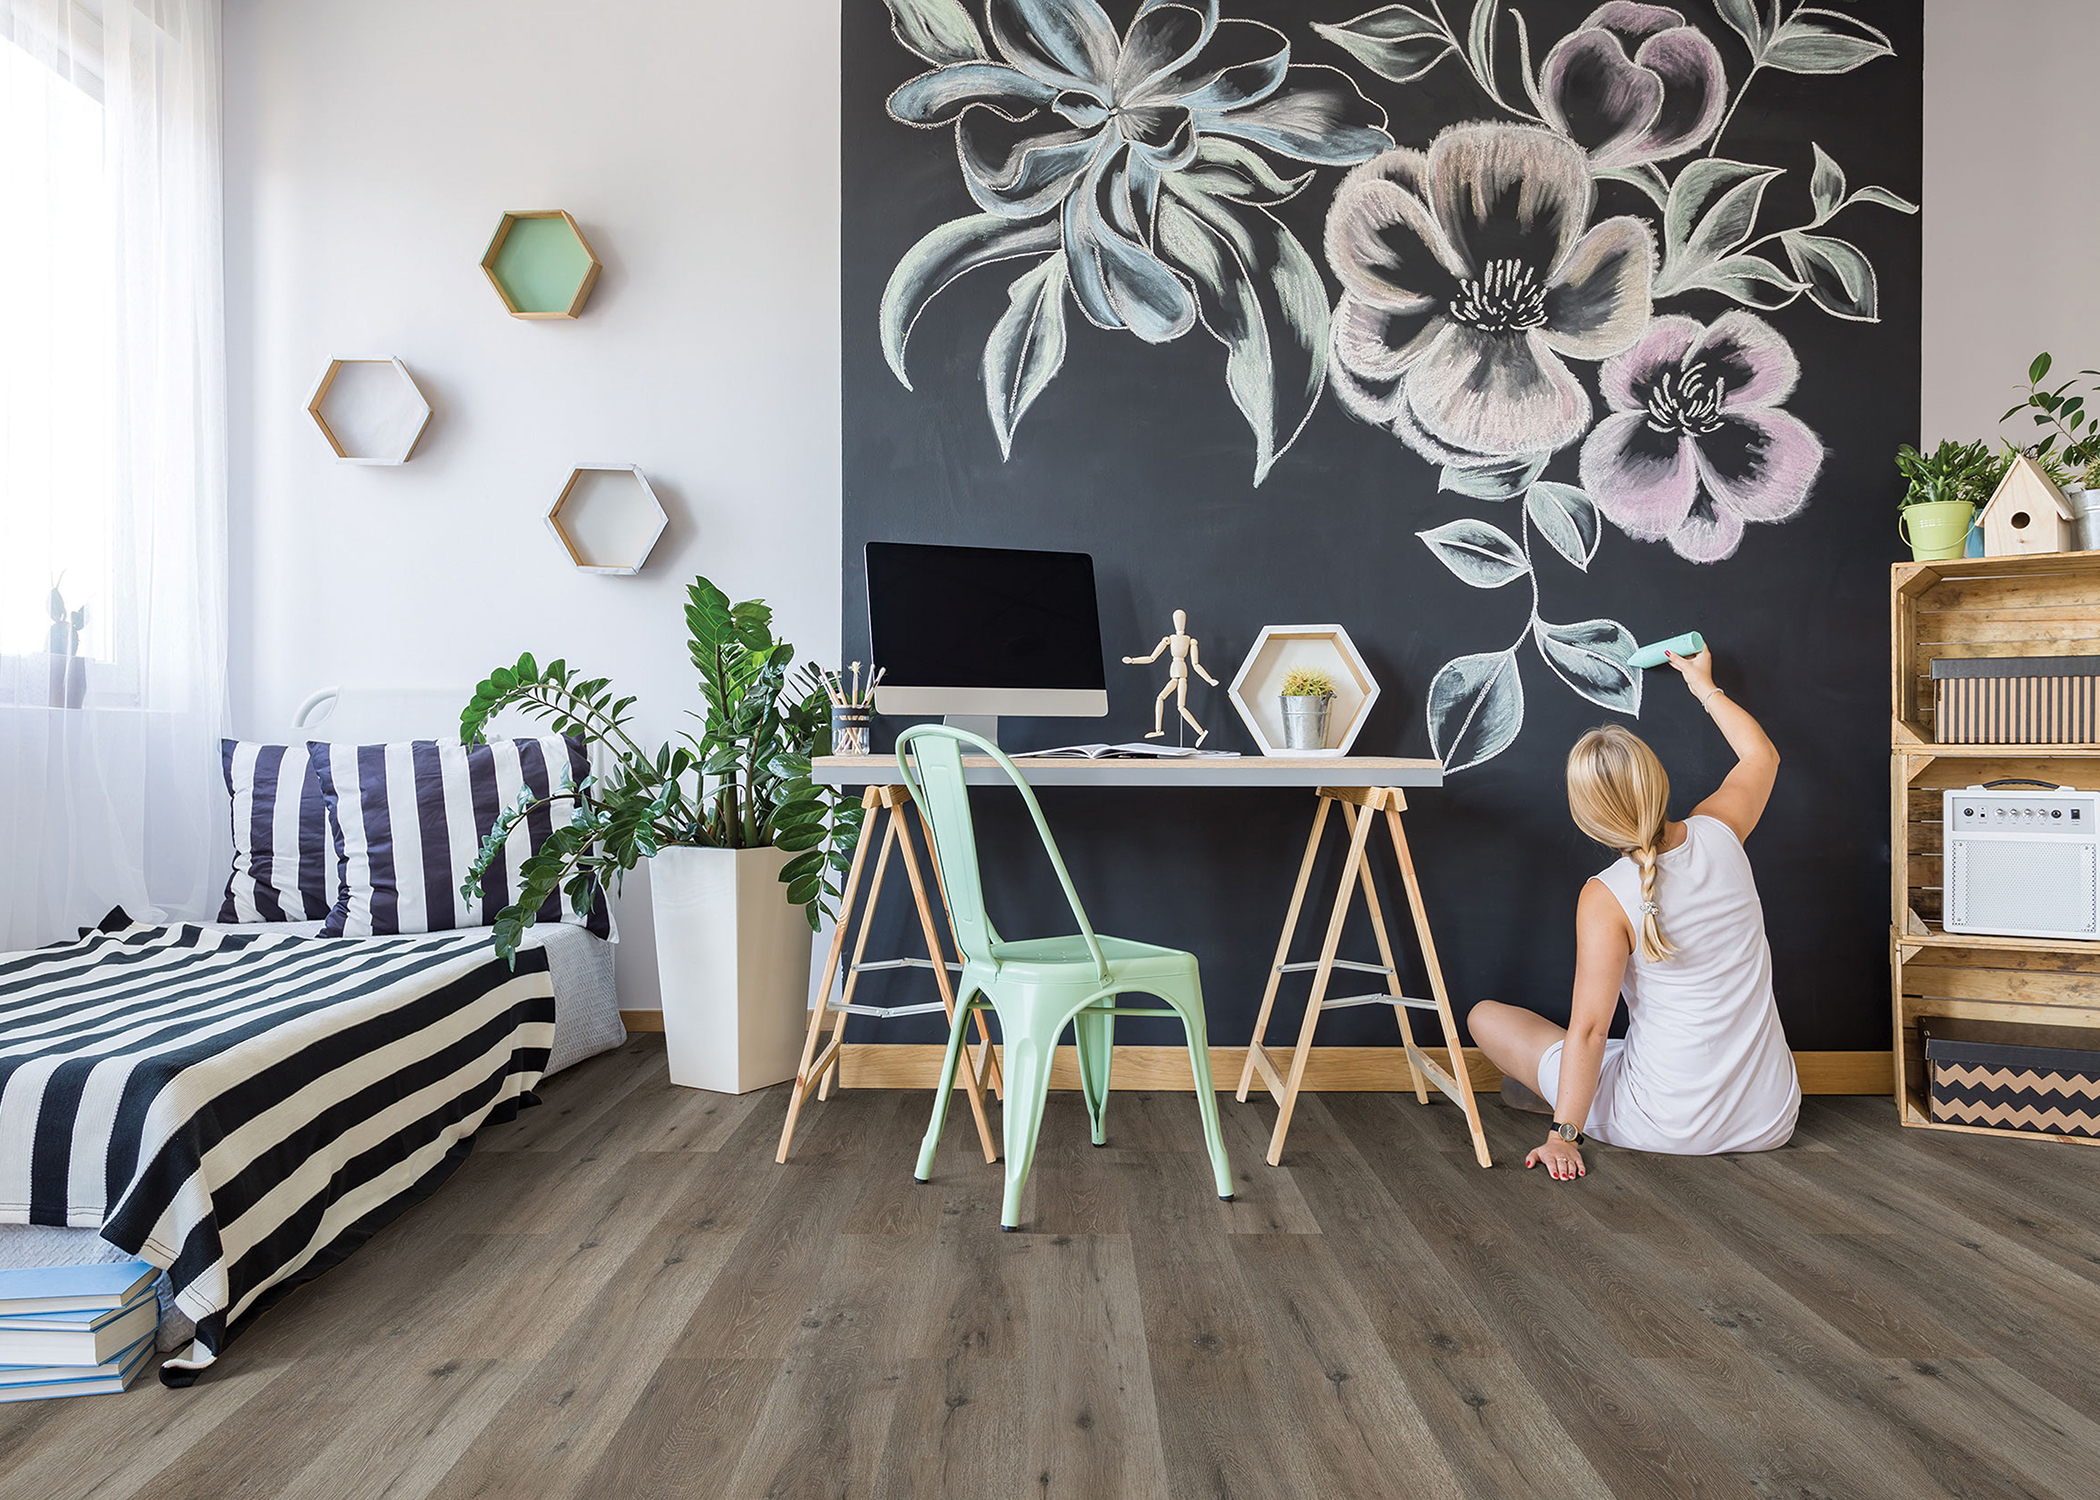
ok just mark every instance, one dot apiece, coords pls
pixel 1740 799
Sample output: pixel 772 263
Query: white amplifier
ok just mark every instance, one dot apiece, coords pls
pixel 2020 863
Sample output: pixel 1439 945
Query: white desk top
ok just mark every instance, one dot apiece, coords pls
pixel 1246 770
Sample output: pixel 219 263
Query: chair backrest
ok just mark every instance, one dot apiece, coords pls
pixel 930 757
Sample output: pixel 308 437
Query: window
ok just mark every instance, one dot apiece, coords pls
pixel 57 359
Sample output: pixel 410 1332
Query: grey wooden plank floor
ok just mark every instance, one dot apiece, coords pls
pixel 621 1295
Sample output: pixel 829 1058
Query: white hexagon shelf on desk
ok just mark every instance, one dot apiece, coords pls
pixel 607 518
pixel 369 410
pixel 1282 649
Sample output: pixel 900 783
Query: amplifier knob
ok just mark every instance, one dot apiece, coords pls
pixel 2056 812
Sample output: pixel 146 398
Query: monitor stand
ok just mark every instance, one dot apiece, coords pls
pixel 986 725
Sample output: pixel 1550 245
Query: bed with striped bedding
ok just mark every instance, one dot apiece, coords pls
pixel 244 1109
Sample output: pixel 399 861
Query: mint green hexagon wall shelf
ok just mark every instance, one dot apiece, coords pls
pixel 540 264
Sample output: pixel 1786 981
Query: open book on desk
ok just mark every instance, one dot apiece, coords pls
pixel 1137 750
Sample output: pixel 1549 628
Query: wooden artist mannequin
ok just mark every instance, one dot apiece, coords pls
pixel 1186 654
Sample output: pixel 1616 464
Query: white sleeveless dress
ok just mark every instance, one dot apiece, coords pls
pixel 1704 1066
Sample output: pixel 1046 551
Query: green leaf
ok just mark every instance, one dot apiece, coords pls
pixel 1393 41
pixel 1026 347
pixel 1840 279
pixel 941 31
pixel 1826 184
pixel 1593 657
pixel 1484 556
pixel 1564 516
pixel 1749 279
pixel 1814 40
pixel 1712 211
pixel 1480 42
pixel 1500 479
pixel 1886 199
pixel 1260 295
pixel 2036 372
pixel 1742 17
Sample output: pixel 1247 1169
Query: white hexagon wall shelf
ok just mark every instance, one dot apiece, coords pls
pixel 540 264
pixel 607 518
pixel 1281 649
pixel 369 410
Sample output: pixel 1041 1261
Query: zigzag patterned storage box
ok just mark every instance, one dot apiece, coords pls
pixel 2045 1090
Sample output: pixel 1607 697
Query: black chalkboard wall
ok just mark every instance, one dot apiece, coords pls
pixel 1624 288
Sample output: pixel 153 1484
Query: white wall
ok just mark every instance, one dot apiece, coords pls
pixel 2012 232
pixel 371 149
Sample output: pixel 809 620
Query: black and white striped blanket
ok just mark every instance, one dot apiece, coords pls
pixel 245 1109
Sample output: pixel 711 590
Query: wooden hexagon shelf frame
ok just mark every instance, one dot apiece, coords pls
pixel 533 263
pixel 607 518
pixel 370 410
pixel 1278 650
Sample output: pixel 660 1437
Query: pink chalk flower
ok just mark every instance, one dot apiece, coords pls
pixel 1634 84
pixel 1695 445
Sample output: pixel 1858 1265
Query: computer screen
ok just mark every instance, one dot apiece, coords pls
pixel 985 618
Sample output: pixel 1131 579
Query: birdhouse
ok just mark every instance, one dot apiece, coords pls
pixel 2028 513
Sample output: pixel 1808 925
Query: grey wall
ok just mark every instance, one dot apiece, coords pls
pixel 2012 226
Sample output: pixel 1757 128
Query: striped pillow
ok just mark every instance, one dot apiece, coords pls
pixel 281 859
pixel 409 819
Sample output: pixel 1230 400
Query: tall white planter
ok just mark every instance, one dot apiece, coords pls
pixel 733 958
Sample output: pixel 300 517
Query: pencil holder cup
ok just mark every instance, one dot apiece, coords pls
pixel 850 724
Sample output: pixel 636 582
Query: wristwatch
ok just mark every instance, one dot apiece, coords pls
pixel 1567 1133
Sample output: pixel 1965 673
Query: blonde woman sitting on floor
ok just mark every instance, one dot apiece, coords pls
pixel 1677 928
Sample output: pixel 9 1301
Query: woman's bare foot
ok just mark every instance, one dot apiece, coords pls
pixel 1516 1096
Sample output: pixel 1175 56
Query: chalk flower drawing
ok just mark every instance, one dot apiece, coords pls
pixel 1472 288
pixel 1135 172
pixel 1468 272
pixel 1695 444
pixel 1634 84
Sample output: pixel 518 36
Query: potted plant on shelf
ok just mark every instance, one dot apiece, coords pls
pixel 724 817
pixel 2068 448
pixel 1944 490
pixel 1307 694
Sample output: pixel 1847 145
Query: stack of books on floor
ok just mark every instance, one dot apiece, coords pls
pixel 75 1330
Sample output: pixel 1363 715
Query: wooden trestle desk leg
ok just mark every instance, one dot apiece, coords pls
pixel 1360 810
pixel 884 809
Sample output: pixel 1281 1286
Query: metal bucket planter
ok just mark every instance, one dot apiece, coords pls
pixel 1305 722
pixel 1936 531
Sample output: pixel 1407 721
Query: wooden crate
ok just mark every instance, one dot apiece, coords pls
pixel 2000 606
pixel 1985 606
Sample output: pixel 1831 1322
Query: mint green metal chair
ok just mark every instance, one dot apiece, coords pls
pixel 1038 985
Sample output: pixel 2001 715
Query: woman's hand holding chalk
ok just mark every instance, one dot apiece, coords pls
pixel 1691 643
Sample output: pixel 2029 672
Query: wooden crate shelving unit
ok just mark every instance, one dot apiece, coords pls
pixel 1999 606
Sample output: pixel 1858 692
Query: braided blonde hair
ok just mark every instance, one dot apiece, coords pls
pixel 1618 793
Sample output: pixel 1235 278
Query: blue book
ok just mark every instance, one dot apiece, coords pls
pixel 86 1319
pixel 93 1340
pixel 105 1379
pixel 50 1289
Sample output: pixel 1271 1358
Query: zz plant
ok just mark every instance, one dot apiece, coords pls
pixel 742 782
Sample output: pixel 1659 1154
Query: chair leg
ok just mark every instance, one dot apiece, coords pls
pixel 1095 1033
pixel 958 1031
pixel 1027 1088
pixel 1191 1008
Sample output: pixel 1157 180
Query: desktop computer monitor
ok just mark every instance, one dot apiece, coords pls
pixel 971 633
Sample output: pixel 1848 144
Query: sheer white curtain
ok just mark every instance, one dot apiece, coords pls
pixel 112 463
